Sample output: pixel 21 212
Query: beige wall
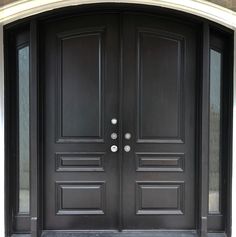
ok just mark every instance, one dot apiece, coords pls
pixel 4 2
pixel 231 4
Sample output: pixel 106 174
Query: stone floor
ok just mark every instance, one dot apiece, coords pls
pixel 117 234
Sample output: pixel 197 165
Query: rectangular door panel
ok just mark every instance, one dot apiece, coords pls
pixel 80 198
pixel 162 162
pixel 160 68
pixel 158 198
pixel 79 161
pixel 80 87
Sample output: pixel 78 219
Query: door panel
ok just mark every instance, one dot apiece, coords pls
pixel 81 97
pixel 84 49
pixel 159 112
pixel 160 68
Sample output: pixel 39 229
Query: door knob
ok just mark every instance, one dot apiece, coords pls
pixel 127 136
pixel 127 148
pixel 114 148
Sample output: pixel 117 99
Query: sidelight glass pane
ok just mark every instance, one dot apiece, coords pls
pixel 23 105
pixel 215 131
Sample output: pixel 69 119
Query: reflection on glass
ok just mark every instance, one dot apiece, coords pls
pixel 214 131
pixel 23 77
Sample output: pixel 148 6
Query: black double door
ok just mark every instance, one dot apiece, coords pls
pixel 140 70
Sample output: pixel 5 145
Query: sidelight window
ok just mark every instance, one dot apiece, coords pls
pixel 219 131
pixel 23 127
pixel 18 127
pixel 215 131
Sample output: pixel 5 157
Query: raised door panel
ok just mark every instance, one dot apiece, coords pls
pixel 79 161
pixel 80 87
pixel 80 198
pixel 160 77
pixel 162 162
pixel 159 198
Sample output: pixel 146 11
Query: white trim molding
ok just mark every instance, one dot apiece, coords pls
pixel 234 146
pixel 2 163
pixel 205 9
pixel 26 8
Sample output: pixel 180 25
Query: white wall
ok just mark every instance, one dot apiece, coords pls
pixel 1 134
pixel 234 147
pixel 24 8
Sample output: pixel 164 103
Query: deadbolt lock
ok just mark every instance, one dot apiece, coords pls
pixel 114 148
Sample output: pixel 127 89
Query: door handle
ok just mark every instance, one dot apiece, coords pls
pixel 127 136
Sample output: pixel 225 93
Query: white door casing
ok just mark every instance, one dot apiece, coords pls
pixel 25 8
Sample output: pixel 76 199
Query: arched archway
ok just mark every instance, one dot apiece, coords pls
pixel 203 9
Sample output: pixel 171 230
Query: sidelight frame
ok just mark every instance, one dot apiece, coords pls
pixel 15 41
pixel 205 28
pixel 221 44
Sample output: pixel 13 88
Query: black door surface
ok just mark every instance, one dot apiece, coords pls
pixel 145 78
pixel 81 85
pixel 159 113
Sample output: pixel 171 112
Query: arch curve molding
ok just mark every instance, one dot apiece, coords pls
pixel 25 8
pixel 205 9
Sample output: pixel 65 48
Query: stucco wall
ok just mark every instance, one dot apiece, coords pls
pixel 4 2
pixel 231 4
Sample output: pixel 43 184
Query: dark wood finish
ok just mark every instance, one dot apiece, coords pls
pixel 120 131
pixel 81 97
pixel 204 131
pixel 9 111
pixel 35 146
pixel 170 140
pixel 229 62
pixel 159 112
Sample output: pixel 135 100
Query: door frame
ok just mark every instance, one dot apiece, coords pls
pixel 202 111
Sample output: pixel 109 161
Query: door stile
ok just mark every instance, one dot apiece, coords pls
pixel 120 131
pixel 204 137
pixel 34 133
